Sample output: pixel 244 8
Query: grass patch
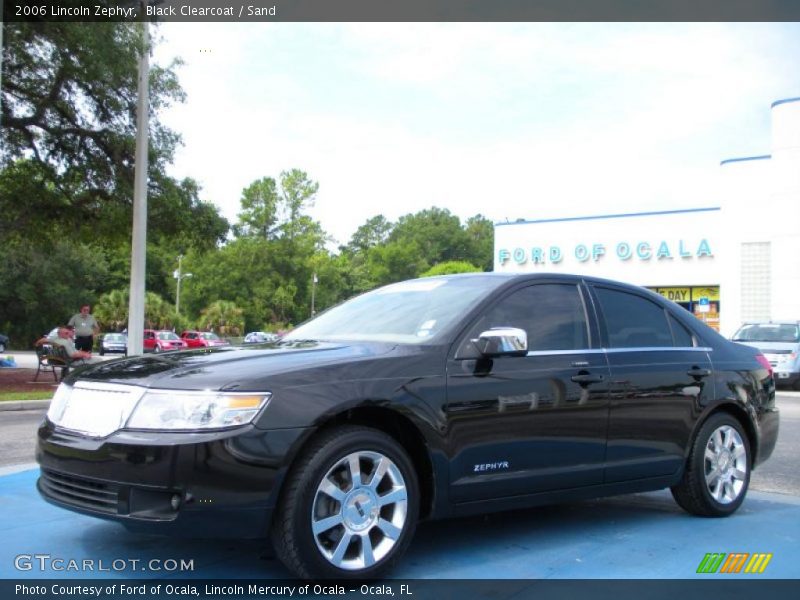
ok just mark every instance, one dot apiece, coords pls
pixel 10 396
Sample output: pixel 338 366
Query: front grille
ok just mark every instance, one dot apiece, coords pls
pixel 79 492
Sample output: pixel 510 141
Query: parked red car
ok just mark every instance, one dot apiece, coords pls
pixel 162 341
pixel 202 339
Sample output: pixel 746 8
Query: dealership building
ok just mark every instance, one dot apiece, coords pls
pixel 735 260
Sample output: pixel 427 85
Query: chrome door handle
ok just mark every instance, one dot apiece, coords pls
pixel 698 372
pixel 586 378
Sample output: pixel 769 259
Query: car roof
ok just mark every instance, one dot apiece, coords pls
pixel 566 277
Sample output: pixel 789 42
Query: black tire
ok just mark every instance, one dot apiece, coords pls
pixel 157 348
pixel 303 501
pixel 102 351
pixel 2 347
pixel 697 493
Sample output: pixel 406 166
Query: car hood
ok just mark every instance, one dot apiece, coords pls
pixel 773 347
pixel 226 367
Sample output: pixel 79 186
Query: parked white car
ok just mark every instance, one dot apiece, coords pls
pixel 779 342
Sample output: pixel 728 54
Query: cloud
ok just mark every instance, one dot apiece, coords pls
pixel 507 120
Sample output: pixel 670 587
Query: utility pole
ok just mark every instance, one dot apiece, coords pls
pixel 139 238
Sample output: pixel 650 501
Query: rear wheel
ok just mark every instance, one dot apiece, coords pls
pixel 349 507
pixel 717 472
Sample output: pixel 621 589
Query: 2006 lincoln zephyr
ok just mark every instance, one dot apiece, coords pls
pixel 425 399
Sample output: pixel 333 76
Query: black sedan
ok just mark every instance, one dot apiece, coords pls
pixel 424 399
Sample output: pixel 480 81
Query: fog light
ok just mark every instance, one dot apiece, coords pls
pixel 175 501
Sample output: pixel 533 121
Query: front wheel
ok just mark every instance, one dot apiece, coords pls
pixel 349 508
pixel 2 347
pixel 717 471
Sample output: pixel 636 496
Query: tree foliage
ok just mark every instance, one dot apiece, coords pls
pixel 224 317
pixel 66 183
pixel 66 173
pixel 69 104
pixel 451 267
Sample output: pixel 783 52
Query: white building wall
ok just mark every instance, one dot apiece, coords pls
pixel 689 237
pixel 758 202
pixel 742 183
pixel 784 210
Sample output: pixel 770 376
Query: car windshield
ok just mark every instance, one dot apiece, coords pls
pixel 114 337
pixel 209 336
pixel 769 332
pixel 167 335
pixel 411 312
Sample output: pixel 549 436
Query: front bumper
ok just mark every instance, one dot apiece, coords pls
pixel 785 377
pixel 211 484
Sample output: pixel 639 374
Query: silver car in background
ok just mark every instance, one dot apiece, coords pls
pixel 779 342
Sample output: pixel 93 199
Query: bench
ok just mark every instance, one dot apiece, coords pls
pixel 51 357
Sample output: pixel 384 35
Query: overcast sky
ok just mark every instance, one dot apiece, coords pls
pixel 507 120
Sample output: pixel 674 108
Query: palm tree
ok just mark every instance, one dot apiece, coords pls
pixel 158 313
pixel 111 310
pixel 224 317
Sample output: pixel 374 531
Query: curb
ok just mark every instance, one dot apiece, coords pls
pixel 24 404
pixel 12 469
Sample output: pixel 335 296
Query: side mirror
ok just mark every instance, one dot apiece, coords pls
pixel 502 341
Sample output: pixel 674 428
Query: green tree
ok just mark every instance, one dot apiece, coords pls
pixel 451 268
pixel 69 104
pixel 372 233
pixel 158 313
pixel 435 231
pixel 267 269
pixel 42 285
pixel 298 193
pixel 223 317
pixel 480 242
pixel 259 214
pixel 111 310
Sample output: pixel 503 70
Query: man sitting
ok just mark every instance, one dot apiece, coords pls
pixel 64 339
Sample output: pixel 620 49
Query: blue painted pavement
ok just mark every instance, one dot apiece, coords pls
pixel 641 536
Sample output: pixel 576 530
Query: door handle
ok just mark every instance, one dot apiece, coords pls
pixel 698 372
pixel 585 378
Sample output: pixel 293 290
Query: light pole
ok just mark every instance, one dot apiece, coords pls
pixel 177 274
pixel 139 237
pixel 313 292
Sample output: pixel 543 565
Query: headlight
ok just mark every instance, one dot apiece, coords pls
pixel 178 410
pixel 59 403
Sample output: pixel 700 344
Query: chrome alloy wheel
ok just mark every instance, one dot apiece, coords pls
pixel 725 464
pixel 359 510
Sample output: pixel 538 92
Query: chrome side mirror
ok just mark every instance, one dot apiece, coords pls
pixel 502 341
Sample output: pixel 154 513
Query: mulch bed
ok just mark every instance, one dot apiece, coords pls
pixel 21 380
